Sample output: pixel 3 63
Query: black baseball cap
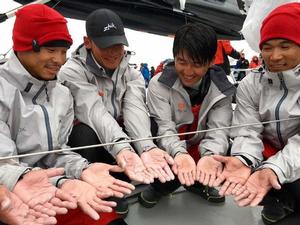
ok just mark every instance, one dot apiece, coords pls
pixel 105 28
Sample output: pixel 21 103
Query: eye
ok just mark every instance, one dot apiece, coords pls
pixel 50 50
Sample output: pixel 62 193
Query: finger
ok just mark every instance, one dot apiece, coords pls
pixel 256 200
pixel 175 169
pixel 153 172
pixel 57 209
pixel 275 184
pixel 212 180
pixel 206 179
pixel 220 179
pixel 124 184
pixel 105 203
pixel 238 189
pixel 246 201
pixel 242 195
pixel 181 178
pixel 198 174
pixel 104 192
pixel 224 188
pixel 202 177
pixel 66 200
pixel 230 188
pixel 99 207
pixel 53 172
pixel 221 159
pixel 44 210
pixel 41 199
pixel 115 168
pixel 169 159
pixel 169 172
pixel 46 221
pixel 88 210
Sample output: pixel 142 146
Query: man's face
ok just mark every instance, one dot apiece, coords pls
pixel 45 64
pixel 109 58
pixel 280 54
pixel 189 72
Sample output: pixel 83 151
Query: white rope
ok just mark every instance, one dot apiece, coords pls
pixel 143 139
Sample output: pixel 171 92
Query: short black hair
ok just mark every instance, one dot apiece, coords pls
pixel 199 41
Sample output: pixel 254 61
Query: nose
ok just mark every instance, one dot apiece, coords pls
pixel 276 54
pixel 188 70
pixel 59 57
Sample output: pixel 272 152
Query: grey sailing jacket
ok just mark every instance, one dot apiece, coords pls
pixel 170 105
pixel 100 100
pixel 35 116
pixel 264 96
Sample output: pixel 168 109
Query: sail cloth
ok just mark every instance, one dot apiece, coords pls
pixel 163 17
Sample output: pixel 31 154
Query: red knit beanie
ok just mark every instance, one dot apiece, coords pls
pixel 283 22
pixel 40 23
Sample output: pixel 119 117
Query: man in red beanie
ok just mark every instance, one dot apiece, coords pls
pixel 36 115
pixel 265 164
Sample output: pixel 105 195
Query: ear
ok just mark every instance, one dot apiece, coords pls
pixel 87 42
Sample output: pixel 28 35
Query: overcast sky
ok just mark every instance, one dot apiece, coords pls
pixel 149 48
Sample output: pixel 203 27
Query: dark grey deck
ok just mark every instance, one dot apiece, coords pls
pixel 185 208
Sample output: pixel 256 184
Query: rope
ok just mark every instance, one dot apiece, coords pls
pixel 143 139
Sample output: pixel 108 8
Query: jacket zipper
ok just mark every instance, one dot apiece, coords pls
pixel 46 115
pixel 285 93
pixel 115 113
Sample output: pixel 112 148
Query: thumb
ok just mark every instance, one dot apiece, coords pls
pixel 169 159
pixel 220 158
pixel 53 172
pixel 117 168
pixel 175 168
pixel 5 204
pixel 275 184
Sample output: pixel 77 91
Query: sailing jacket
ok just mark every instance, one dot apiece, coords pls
pixel 170 106
pixel 102 100
pixel 35 116
pixel 261 97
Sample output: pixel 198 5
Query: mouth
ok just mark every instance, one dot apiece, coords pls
pixel 53 69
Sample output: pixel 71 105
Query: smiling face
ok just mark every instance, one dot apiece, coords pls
pixel 45 64
pixel 280 54
pixel 110 57
pixel 189 72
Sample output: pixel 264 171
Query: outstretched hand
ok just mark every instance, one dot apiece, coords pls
pixel 157 164
pixel 97 174
pixel 134 167
pixel 35 190
pixel 234 174
pixel 208 169
pixel 256 187
pixel 15 212
pixel 88 198
pixel 185 168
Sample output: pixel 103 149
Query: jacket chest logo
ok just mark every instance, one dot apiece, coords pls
pixel 101 93
pixel 181 106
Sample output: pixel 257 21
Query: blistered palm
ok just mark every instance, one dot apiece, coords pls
pixel 208 169
pixel 256 187
pixel 185 169
pixel 35 190
pixel 98 175
pixel 134 167
pixel 157 163
pixel 14 211
pixel 234 174
pixel 89 199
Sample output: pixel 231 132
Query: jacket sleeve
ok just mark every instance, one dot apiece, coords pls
pixel 89 108
pixel 161 111
pixel 217 142
pixel 229 50
pixel 247 139
pixel 286 163
pixel 135 112
pixel 10 170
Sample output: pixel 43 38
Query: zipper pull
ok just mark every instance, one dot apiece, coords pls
pixel 46 90
pixel 281 80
